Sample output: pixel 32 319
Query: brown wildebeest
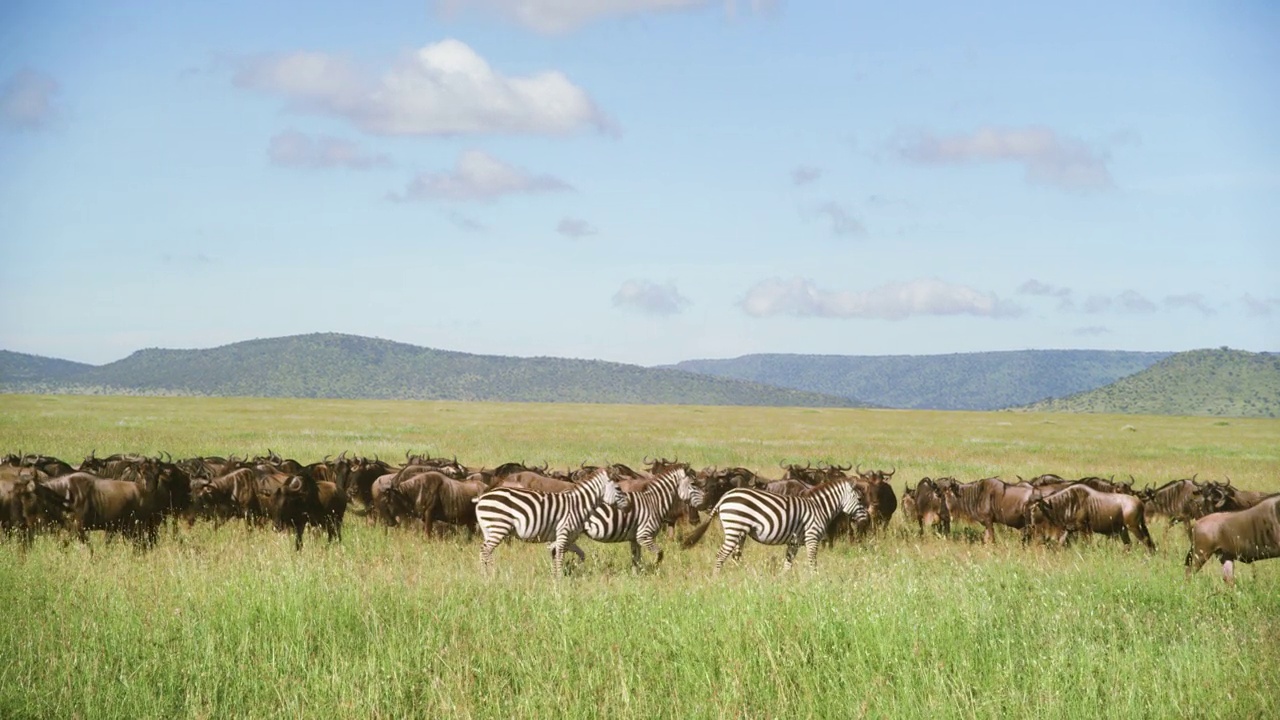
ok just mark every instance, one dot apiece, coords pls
pixel 440 497
pixel 1080 508
pixel 236 494
pixel 990 501
pixel 1220 497
pixel 518 475
pixel 1244 535
pixel 302 501
pixel 879 496
pixel 924 505
pixel 130 508
pixel 1181 501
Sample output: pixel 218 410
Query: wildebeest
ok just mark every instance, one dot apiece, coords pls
pixel 1244 535
pixel 302 501
pixel 925 505
pixel 1080 508
pixel 130 508
pixel 990 501
pixel 442 498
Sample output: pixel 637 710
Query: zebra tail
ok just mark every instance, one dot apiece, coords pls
pixel 693 537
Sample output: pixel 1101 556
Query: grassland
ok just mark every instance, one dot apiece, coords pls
pixel 235 624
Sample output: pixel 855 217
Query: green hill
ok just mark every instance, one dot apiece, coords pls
pixel 348 366
pixel 22 368
pixel 970 381
pixel 1200 382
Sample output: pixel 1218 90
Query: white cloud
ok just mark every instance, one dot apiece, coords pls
pixel 650 298
pixel 560 16
pixel 478 176
pixel 445 88
pixel 1047 157
pixel 26 100
pixel 805 174
pixel 1195 301
pixel 575 228
pixel 1129 301
pixel 1037 288
pixel 295 149
pixel 843 223
pixel 895 301
pixel 1260 307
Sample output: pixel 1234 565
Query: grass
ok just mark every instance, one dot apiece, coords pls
pixel 235 624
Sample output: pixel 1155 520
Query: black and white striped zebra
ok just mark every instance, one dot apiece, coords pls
pixel 641 522
pixel 534 516
pixel 773 519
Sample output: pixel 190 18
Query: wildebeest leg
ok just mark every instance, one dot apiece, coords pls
pixel 1194 562
pixel 988 532
pixel 1124 536
pixel 298 527
pixel 1229 572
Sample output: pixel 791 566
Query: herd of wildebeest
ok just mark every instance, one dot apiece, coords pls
pixel 133 495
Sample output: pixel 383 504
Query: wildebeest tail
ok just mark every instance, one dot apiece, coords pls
pixel 693 537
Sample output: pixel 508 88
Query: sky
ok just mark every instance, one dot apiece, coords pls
pixel 640 181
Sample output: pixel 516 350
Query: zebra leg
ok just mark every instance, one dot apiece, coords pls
pixel 811 548
pixel 647 538
pixel 732 545
pixel 491 541
pixel 792 549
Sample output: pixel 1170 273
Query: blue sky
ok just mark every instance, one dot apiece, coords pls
pixel 641 181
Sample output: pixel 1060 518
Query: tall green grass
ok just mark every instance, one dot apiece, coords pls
pixel 233 623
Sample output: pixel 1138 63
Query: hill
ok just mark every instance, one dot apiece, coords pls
pixel 23 368
pixel 970 381
pixel 349 366
pixel 1200 382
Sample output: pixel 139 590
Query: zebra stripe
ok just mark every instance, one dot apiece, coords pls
pixel 534 516
pixel 773 519
pixel 640 523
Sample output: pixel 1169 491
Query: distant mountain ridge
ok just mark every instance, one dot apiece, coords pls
pixel 1224 382
pixel 969 381
pixel 332 365
pixel 1200 382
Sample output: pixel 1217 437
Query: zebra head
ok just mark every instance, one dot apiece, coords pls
pixel 613 495
pixel 689 492
pixel 851 503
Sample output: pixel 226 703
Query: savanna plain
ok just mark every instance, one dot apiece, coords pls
pixel 388 624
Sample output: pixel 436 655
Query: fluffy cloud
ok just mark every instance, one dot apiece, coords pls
pixel 442 89
pixel 1129 301
pixel 297 150
pixel 894 301
pixel 1260 307
pixel 1047 157
pixel 575 228
pixel 1037 288
pixel 26 100
pixel 650 298
pixel 805 174
pixel 561 16
pixel 843 223
pixel 1194 301
pixel 478 176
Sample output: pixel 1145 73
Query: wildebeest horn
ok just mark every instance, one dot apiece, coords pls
pixel 894 470
pixel 647 461
pixel 859 471
pixel 1228 477
pixel 296 483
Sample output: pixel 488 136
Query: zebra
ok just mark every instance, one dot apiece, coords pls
pixel 773 519
pixel 534 516
pixel 642 521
